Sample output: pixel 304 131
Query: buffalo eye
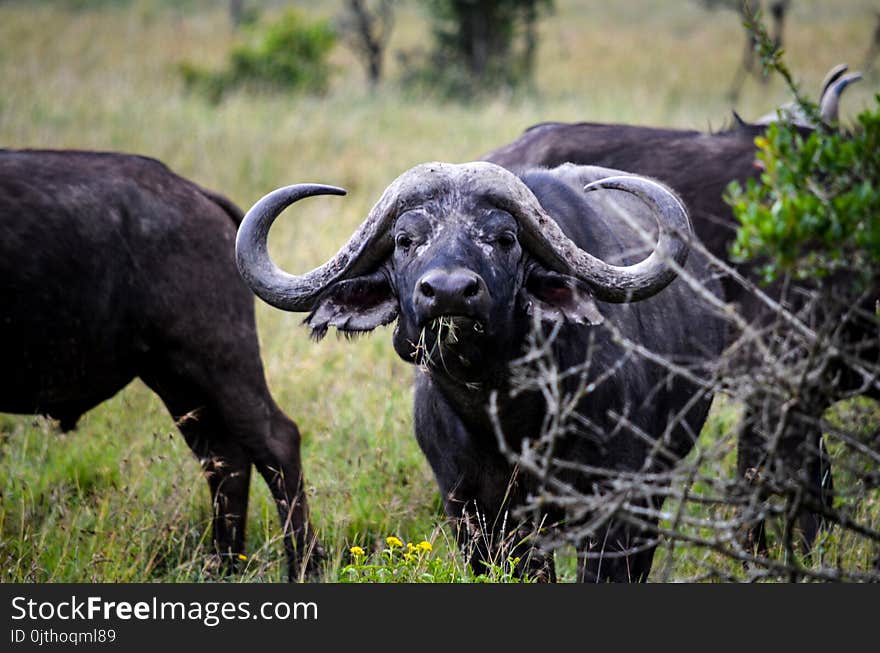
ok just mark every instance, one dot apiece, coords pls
pixel 506 240
pixel 403 241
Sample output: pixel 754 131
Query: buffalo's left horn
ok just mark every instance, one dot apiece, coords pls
pixel 648 277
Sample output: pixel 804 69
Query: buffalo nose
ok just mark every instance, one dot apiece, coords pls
pixel 449 290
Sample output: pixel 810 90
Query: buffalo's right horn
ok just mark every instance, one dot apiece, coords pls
pixel 830 101
pixel 267 280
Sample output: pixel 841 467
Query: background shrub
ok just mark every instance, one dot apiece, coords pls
pixel 816 208
pixel 289 54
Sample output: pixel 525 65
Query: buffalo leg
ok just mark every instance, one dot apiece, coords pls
pixel 229 477
pixel 227 469
pixel 271 442
pixel 278 461
pixel 818 484
pixel 798 465
pixel 619 553
pixel 241 425
pixel 488 538
pixel 750 460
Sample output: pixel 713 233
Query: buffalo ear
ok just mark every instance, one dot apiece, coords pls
pixel 354 306
pixel 559 297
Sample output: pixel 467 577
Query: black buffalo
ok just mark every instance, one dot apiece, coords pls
pixel 113 267
pixel 467 258
pixel 700 166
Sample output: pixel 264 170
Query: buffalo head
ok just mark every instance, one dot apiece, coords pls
pixel 462 256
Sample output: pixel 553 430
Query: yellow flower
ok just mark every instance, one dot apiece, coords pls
pixel 410 547
pixel 424 546
pixel 408 556
pixel 393 542
pixel 242 556
pixel 356 551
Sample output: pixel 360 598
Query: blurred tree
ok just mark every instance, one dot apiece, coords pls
pixel 366 30
pixel 750 64
pixel 235 10
pixel 873 47
pixel 482 35
pixel 242 14
pixel 479 45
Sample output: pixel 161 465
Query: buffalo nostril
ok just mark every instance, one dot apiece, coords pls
pixel 426 289
pixel 472 288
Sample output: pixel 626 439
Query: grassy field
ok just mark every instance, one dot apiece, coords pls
pixel 121 498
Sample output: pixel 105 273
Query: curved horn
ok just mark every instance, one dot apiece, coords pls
pixel 830 101
pixel 832 76
pixel 648 277
pixel 268 281
pixel 626 283
pixel 366 248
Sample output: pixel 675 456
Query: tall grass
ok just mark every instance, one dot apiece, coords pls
pixel 121 499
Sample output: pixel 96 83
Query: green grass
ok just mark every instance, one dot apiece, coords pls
pixel 121 498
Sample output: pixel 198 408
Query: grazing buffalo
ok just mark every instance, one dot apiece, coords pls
pixel 699 166
pixel 113 267
pixel 467 259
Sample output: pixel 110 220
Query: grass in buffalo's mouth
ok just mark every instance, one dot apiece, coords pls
pixel 446 331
